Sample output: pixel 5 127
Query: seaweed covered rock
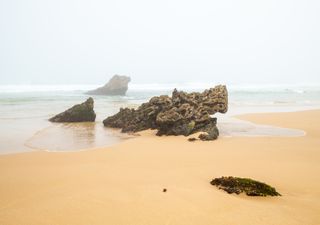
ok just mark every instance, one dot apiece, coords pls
pixel 117 85
pixel 212 133
pixel 79 113
pixel 250 187
pixel 181 114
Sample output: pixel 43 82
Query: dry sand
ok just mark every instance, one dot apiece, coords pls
pixel 123 184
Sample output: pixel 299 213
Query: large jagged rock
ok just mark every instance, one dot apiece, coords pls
pixel 181 114
pixel 117 85
pixel 79 113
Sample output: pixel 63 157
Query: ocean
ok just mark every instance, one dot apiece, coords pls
pixel 25 110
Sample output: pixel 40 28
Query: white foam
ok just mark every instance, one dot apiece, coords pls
pixel 44 88
pixel 297 88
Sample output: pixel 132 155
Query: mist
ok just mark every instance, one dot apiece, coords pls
pixel 86 42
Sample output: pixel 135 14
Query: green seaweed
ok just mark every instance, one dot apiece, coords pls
pixel 249 186
pixel 190 127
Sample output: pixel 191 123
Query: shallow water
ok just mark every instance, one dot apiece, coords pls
pixel 232 127
pixel 24 113
pixel 74 136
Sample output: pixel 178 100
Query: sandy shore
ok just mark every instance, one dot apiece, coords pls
pixel 123 184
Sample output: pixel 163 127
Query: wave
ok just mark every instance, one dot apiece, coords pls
pixel 231 87
pixel 44 88
pixel 298 88
pixel 188 86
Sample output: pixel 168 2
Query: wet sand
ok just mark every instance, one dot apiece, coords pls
pixel 123 184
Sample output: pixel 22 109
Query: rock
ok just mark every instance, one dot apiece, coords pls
pixel 180 114
pixel 192 139
pixel 79 113
pixel 143 118
pixel 238 185
pixel 117 85
pixel 212 132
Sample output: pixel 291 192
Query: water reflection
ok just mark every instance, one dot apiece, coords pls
pixel 74 136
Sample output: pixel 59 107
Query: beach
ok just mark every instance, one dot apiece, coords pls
pixel 123 183
pixel 159 113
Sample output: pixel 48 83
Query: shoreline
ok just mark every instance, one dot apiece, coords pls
pixel 228 127
pixel 26 109
pixel 123 183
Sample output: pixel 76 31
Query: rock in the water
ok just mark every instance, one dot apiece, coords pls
pixel 79 113
pixel 117 85
pixel 238 185
pixel 181 114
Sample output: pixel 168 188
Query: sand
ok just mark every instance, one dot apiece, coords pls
pixel 123 184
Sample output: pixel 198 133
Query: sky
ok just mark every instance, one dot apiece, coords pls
pixel 229 41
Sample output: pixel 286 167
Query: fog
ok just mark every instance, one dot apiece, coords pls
pixel 86 42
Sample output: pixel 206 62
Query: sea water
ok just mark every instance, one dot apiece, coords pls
pixel 25 110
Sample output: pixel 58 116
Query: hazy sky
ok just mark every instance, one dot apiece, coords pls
pixel 86 42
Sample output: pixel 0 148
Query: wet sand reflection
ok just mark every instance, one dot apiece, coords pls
pixel 75 136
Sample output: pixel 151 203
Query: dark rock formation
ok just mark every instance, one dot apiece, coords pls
pixel 117 85
pixel 79 113
pixel 212 134
pixel 238 185
pixel 181 114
